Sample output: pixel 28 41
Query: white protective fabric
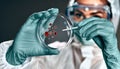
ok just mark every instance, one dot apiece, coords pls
pixel 74 56
pixel 115 4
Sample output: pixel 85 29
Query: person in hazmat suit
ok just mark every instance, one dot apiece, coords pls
pixel 94 45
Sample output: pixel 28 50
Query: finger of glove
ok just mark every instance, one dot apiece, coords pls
pixel 85 21
pixel 34 17
pixel 89 24
pixel 98 41
pixel 44 17
pixel 97 32
pixel 52 51
pixel 43 50
pixel 101 42
pixel 53 14
pixel 42 20
pixel 86 30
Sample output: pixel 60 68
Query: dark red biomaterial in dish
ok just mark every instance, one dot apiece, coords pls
pixel 55 33
pixel 46 34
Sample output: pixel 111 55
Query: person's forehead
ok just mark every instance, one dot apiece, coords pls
pixel 92 2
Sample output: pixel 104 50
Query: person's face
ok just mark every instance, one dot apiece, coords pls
pixel 91 12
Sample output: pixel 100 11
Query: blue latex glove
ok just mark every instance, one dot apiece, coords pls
pixel 102 32
pixel 26 43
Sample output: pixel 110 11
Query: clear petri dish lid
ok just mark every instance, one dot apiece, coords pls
pixel 54 36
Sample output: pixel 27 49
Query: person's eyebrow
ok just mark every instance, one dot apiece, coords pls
pixel 93 13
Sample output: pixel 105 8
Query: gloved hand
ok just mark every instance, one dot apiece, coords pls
pixel 102 32
pixel 26 43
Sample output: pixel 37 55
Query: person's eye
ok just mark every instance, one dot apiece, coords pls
pixel 79 15
pixel 97 16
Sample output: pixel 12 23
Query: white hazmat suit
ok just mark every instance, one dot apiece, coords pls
pixel 75 56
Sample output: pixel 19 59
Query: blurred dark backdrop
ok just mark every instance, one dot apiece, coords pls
pixel 13 14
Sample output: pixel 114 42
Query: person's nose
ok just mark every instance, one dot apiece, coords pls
pixel 87 15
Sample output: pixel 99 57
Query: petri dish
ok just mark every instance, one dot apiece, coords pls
pixel 53 35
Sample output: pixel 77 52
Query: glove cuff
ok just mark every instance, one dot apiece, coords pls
pixel 14 57
pixel 3 49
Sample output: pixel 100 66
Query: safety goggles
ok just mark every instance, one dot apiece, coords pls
pixel 80 12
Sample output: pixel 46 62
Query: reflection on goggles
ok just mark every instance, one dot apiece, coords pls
pixel 105 7
pixel 79 12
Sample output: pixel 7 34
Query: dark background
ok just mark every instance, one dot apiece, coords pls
pixel 13 14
